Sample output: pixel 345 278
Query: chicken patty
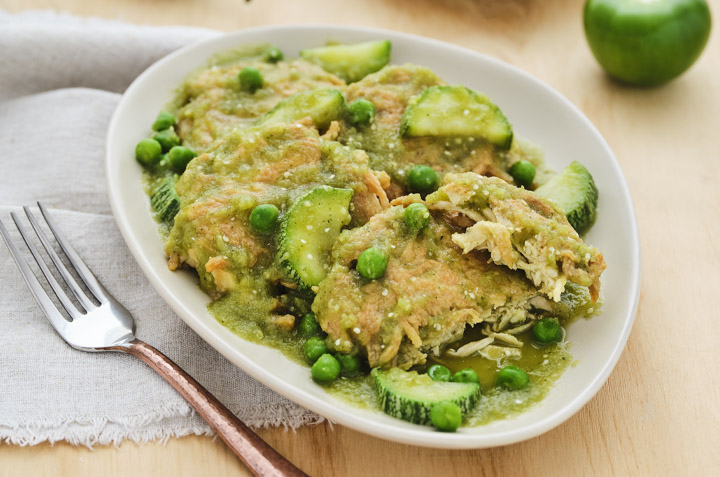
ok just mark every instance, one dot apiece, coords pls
pixel 521 230
pixel 211 102
pixel 430 292
pixel 264 165
pixel 390 90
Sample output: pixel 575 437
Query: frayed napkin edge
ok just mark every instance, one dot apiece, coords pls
pixel 94 432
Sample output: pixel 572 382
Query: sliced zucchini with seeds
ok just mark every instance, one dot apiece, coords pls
pixel 456 111
pixel 410 396
pixel 308 231
pixel 350 62
pixel 575 192
pixel 322 105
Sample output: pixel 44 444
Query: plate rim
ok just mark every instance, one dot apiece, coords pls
pixel 420 436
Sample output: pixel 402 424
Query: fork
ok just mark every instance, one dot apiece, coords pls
pixel 108 326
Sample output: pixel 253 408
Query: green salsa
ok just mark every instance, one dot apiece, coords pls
pixel 296 199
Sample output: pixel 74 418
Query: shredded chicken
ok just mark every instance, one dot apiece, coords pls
pixel 374 186
pixel 429 294
pixel 520 231
pixel 332 132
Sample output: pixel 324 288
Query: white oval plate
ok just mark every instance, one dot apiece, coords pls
pixel 537 112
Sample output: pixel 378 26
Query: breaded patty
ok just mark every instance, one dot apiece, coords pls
pixel 390 90
pixel 211 102
pixel 429 293
pixel 266 165
pixel 521 230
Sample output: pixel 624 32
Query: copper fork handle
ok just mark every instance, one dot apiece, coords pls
pixel 259 457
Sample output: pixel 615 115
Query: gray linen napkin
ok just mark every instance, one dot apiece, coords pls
pixel 60 79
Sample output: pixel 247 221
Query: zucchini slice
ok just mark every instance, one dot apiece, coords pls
pixel 456 111
pixel 308 231
pixel 322 105
pixel 410 396
pixel 575 192
pixel 165 201
pixel 350 62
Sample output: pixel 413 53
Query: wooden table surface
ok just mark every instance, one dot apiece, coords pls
pixel 658 413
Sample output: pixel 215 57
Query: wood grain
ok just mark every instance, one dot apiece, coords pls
pixel 658 413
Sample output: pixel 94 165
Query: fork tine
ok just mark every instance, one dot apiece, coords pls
pixel 59 292
pixel 82 270
pixel 56 319
pixel 72 284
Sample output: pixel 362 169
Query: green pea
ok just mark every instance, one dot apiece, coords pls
pixel 167 139
pixel 349 363
pixel 178 158
pixel 148 152
pixel 523 172
pixel 372 263
pixel 264 217
pixel 547 330
pixel 325 369
pixel 438 372
pixel 314 348
pixel 466 375
pixel 422 179
pixel 416 216
pixel 361 112
pixel 164 120
pixel 274 55
pixel 309 325
pixel 513 378
pixel 446 416
pixel 251 79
